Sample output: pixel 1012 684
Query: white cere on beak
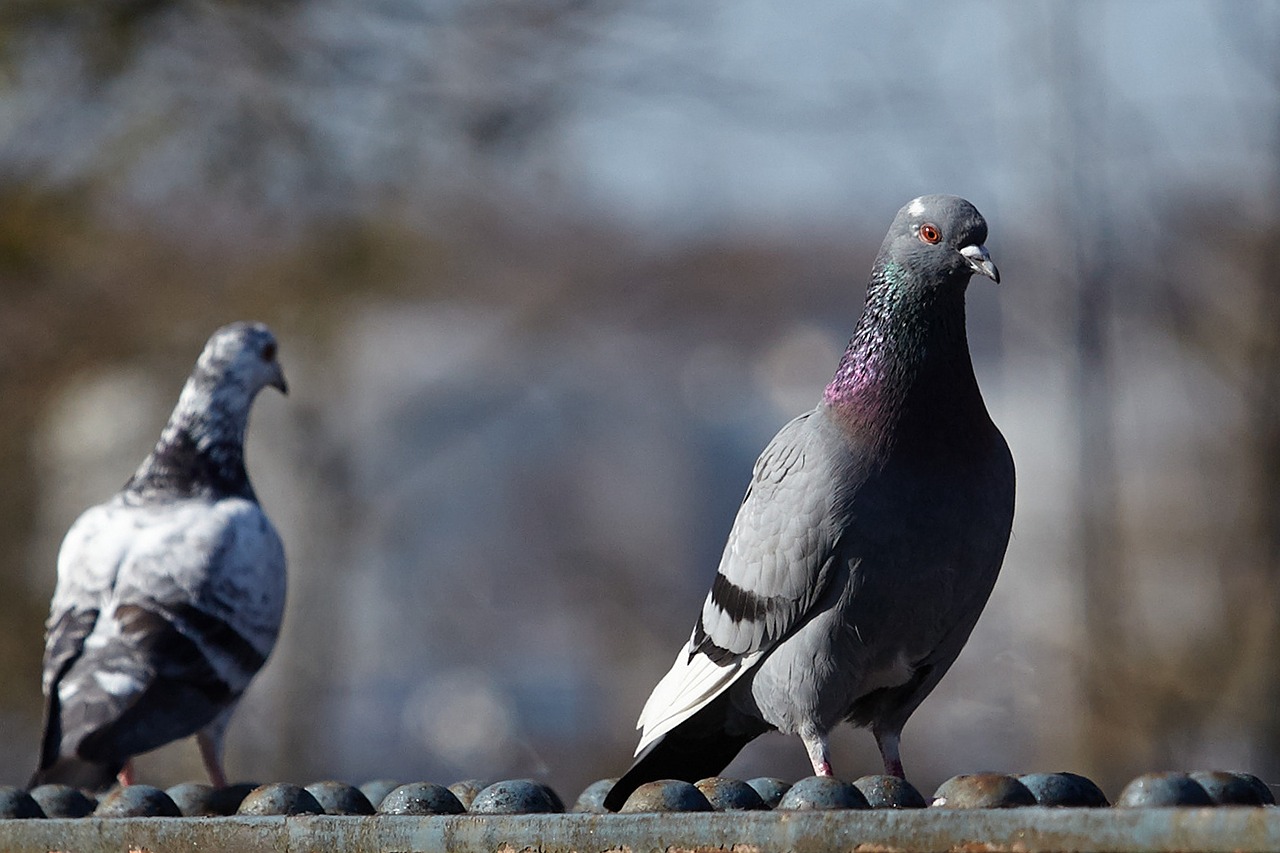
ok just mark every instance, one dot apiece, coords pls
pixel 980 260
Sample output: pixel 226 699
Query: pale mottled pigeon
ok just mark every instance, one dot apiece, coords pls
pixel 169 595
pixel 869 538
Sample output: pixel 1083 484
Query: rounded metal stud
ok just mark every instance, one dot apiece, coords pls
pixel 57 800
pixel 421 798
pixel 815 793
pixel 770 789
pixel 1163 789
pixel 279 798
pixel 1228 789
pixel 16 803
pixel 227 800
pixel 666 795
pixel 730 795
pixel 890 792
pixel 982 791
pixel 137 801
pixel 195 799
pixel 516 796
pixel 375 790
pixel 1265 795
pixel 466 789
pixel 591 800
pixel 339 798
pixel 1064 789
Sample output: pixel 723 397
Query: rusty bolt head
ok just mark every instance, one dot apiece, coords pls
pixel 982 791
pixel 666 795
pixel 279 798
pixel 1231 789
pixel 730 795
pixel 890 792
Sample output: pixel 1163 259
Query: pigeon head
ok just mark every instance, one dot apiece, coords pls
pixel 242 355
pixel 938 240
pixel 912 331
pixel 201 449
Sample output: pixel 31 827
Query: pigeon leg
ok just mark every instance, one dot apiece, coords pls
pixel 125 777
pixel 819 754
pixel 888 743
pixel 210 741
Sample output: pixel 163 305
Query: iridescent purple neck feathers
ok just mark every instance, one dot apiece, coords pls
pixel 909 341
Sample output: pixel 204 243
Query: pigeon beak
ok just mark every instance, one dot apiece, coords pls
pixel 277 381
pixel 981 261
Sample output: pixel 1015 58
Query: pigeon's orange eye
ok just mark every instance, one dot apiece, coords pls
pixel 929 233
pixel 269 352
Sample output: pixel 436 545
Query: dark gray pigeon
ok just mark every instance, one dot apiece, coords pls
pixel 169 595
pixel 869 538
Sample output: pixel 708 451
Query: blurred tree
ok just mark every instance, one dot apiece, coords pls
pixel 1080 131
pixel 257 114
pixel 1258 598
pixel 1150 703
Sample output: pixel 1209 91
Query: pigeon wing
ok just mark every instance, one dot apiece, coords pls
pixel 775 565
pixel 88 561
pixel 193 613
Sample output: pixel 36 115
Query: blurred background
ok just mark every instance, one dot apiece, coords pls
pixel 548 274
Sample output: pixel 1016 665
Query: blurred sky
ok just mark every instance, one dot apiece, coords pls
pixel 817 113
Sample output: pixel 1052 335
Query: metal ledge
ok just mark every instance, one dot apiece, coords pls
pixel 1022 829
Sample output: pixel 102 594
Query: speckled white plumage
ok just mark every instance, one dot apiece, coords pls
pixel 170 595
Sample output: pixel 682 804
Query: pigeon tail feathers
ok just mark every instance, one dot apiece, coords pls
pixel 701 746
pixel 77 773
pixel 693 681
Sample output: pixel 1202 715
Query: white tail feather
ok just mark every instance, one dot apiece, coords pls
pixel 686 688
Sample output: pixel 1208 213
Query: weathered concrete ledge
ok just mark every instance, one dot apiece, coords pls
pixel 1025 829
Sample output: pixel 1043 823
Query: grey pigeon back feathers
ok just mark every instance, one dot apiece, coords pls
pixel 170 595
pixel 869 537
